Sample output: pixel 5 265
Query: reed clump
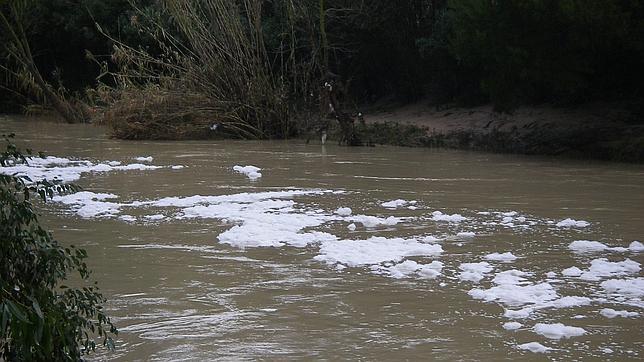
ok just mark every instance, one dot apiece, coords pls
pixel 156 113
pixel 208 74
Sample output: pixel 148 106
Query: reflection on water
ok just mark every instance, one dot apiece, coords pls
pixel 464 244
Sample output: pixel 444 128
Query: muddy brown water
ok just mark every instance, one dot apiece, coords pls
pixel 176 293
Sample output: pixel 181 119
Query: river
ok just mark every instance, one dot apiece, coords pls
pixel 473 256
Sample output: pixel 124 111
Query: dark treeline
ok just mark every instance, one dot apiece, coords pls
pixel 467 52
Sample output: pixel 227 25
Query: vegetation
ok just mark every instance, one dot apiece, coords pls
pixel 41 317
pixel 173 69
pixel 561 52
pixel 20 68
pixel 212 70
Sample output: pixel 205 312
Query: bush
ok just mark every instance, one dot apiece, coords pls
pixel 562 52
pixel 42 318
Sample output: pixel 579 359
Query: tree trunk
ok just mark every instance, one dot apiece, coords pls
pixel 324 45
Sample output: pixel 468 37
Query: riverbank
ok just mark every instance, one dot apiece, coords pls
pixel 598 131
pixel 612 132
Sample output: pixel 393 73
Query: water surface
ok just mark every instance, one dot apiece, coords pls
pixel 177 292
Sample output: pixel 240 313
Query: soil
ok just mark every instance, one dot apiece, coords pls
pixel 611 131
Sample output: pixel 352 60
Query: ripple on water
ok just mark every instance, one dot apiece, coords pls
pixel 523 288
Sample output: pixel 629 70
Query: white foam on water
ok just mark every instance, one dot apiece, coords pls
pixel 372 251
pixel 589 246
pixel 66 170
pixel 558 330
pixel 410 268
pixel 263 223
pixel 511 326
pixel 252 172
pixel 144 158
pixel 261 219
pixel 128 167
pixel 559 303
pixel 573 271
pixel 430 239
pixel 513 290
pixel 602 268
pixel 252 234
pixel 534 347
pixel 507 220
pixel 584 246
pixel 466 234
pixel 127 218
pixel 518 314
pixel 474 272
pixel 90 204
pixel 454 218
pixel 566 302
pixel 636 246
pixel 431 270
pixel 343 211
pixel 612 313
pixel 571 223
pixel 394 204
pixel 154 217
pixel 505 257
pixel 630 288
pixel 244 197
pixel 274 219
pixel 369 221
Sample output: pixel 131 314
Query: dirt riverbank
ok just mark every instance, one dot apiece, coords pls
pixel 597 131
pixel 602 131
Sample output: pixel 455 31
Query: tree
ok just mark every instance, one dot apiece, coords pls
pixel 21 66
pixel 41 318
pixel 561 52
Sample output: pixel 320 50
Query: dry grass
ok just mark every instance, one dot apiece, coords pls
pixel 214 70
pixel 156 113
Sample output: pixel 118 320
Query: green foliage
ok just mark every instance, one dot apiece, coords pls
pixel 62 52
pixel 62 31
pixel 509 52
pixel 40 317
pixel 375 46
pixel 550 51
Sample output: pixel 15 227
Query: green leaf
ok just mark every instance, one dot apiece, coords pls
pixel 16 311
pixel 5 319
pixel 41 318
pixel 37 308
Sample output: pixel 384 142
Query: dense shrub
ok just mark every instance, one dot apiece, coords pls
pixel 509 52
pixel 42 318
pixel 554 51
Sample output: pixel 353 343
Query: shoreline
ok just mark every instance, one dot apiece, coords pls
pixel 606 132
pixel 599 131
